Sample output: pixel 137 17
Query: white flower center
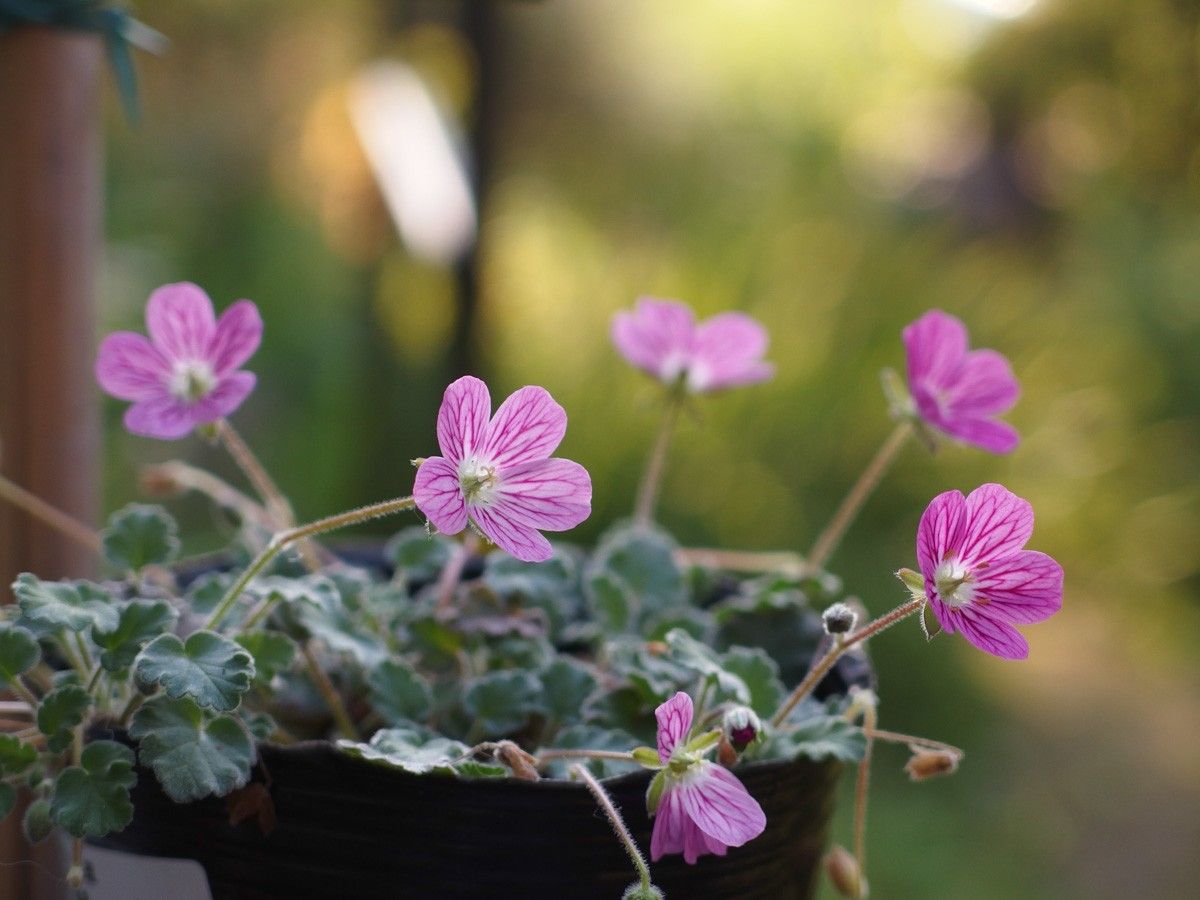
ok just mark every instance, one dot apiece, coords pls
pixel 192 380
pixel 478 480
pixel 954 583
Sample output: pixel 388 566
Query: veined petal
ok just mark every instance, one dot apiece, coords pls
pixel 463 418
pixel 237 335
pixel 991 435
pixel 129 367
pixel 517 539
pixel 716 801
pixel 1024 588
pixel 998 524
pixel 940 531
pixel 674 718
pixel 163 417
pixel 528 426
pixel 180 320
pixel 669 824
pixel 983 385
pixel 548 494
pixel 935 345
pixel 225 397
pixel 988 633
pixel 438 495
pixel 656 336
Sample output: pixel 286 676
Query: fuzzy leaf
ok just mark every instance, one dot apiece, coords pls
pixel 260 725
pixel 551 586
pixel 193 755
pixel 50 606
pixel 819 738
pixel 139 621
pixel 138 536
pixel 761 677
pixel 320 612
pixel 15 757
pixel 591 737
pixel 501 702
pixel 398 693
pixel 417 555
pixel 415 751
pixel 37 823
pixel 92 799
pixel 653 676
pixel 273 653
pixel 613 604
pixel 207 591
pixel 19 652
pixel 59 712
pixel 207 667
pixel 686 651
pixel 566 687
pixel 643 558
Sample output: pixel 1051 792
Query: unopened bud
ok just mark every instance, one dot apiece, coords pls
pixel 839 619
pixel 520 763
pixel 741 727
pixel 75 877
pixel 914 581
pixel 845 873
pixel 657 648
pixel 926 763
pixel 417 461
pixel 639 891
pixel 159 482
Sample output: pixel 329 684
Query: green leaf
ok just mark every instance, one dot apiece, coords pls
pixel 193 755
pixel 655 677
pixel 591 737
pixel 139 536
pixel 273 653
pixel 8 799
pixel 139 621
pixel 777 618
pixel 19 652
pixel 50 606
pixel 551 586
pixel 92 799
pixel 320 612
pixel 613 604
pixel 566 688
pixel 37 823
pixel 417 555
pixel 15 757
pixel 501 702
pixel 207 591
pixel 761 676
pixel 686 651
pixel 398 693
pixel 59 712
pixel 260 725
pixel 209 668
pixel 416 751
pixel 643 558
pixel 699 623
pixel 819 738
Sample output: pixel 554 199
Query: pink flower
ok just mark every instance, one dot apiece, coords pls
pixel 979 579
pixel 702 808
pixel 959 391
pixel 661 337
pixel 498 473
pixel 186 374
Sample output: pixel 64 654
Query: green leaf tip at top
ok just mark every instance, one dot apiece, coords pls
pixel 139 622
pixel 208 668
pixel 60 711
pixel 140 535
pixel 92 799
pixel 15 756
pixel 48 607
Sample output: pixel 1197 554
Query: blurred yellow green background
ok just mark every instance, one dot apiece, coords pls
pixel 834 169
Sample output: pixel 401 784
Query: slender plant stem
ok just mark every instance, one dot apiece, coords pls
pixel 285 538
pixel 862 783
pixel 91 685
pixel 895 737
pixel 72 657
pixel 647 495
pixel 547 755
pixel 825 663
pixel 451 573
pixel 332 698
pixel 16 708
pixel 85 655
pixel 277 504
pixel 183 477
pixel 783 561
pixel 828 540
pixel 50 515
pixel 701 702
pixel 21 689
pixel 131 707
pixel 610 811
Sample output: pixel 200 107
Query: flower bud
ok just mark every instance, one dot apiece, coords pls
pixel 845 873
pixel 926 763
pixel 741 727
pixel 914 581
pixel 159 481
pixel 639 891
pixel 520 763
pixel 839 619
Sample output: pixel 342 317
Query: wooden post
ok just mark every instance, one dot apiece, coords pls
pixel 50 210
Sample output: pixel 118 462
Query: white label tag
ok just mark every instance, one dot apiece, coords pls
pixel 116 875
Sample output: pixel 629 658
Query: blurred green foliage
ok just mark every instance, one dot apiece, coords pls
pixel 835 170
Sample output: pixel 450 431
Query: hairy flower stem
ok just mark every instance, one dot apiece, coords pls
pixel 826 662
pixel 861 784
pixel 647 495
pixel 895 737
pixel 547 755
pixel 329 693
pixel 828 540
pixel 285 538
pixel 49 515
pixel 605 803
pixel 21 689
pixel 130 708
pixel 176 476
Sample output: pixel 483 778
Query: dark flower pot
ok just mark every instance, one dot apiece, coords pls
pixel 348 828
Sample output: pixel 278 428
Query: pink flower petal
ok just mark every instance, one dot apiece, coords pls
pixel 528 426
pixel 720 805
pixel 983 385
pixel 669 824
pixel 940 531
pixel 548 494
pixel 129 367
pixel 1024 588
pixel 237 335
pixel 163 417
pixel 986 434
pixel 438 495
pixel 727 352
pixel 935 345
pixel 517 539
pixel 463 418
pixel 225 398
pixel 989 634
pixel 674 718
pixel 656 337
pixel 180 320
pixel 998 524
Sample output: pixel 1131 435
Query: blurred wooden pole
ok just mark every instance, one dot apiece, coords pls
pixel 50 207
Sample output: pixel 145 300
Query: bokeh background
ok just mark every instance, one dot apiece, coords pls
pixel 834 169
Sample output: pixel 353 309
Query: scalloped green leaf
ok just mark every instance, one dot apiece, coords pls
pixel 140 535
pixel 209 668
pixel 51 606
pixel 320 612
pixel 15 756
pixel 417 555
pixel 418 752
pixel 643 558
pixel 273 653
pixel 819 738
pixel 138 623
pixel 37 823
pixel 59 712
pixel 612 603
pixel 761 676
pixel 398 693
pixel 19 652
pixel 566 687
pixel 194 755
pixel 92 799
pixel 501 702
pixel 686 651
pixel 551 586
pixel 207 591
